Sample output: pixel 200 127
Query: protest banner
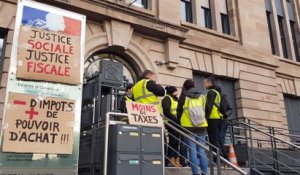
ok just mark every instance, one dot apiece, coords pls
pixel 143 114
pixel 36 124
pixel 46 68
pixel 49 47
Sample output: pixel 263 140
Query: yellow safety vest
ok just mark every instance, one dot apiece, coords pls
pixel 173 107
pixel 185 118
pixel 142 95
pixel 215 113
pixel 127 98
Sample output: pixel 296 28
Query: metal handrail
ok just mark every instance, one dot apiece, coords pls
pixel 198 144
pixel 271 136
pixel 277 129
pixel 278 162
pixel 257 172
pixel 258 124
pixel 191 133
pixel 267 166
pixel 243 138
pixel 180 155
pixel 273 140
pixel 206 142
pixel 289 135
pixel 259 130
pixel 185 159
pixel 278 151
pixel 240 137
pixel 207 149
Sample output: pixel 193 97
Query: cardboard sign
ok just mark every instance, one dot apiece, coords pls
pixel 144 114
pixel 47 58
pixel 36 124
pixel 49 47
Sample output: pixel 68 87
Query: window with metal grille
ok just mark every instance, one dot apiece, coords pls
pixel 270 32
pixel 269 13
pixel 293 30
pixel 206 13
pixel 206 19
pixel 186 11
pixel 140 3
pixel 223 6
pixel 225 24
pixel 282 36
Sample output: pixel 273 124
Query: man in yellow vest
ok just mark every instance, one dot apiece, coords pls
pixel 146 90
pixel 126 97
pixel 169 107
pixel 197 153
pixel 213 115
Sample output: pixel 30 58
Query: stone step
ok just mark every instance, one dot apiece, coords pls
pixel 188 171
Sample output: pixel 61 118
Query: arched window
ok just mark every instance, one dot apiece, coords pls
pixel 92 66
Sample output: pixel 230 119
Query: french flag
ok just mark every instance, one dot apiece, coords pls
pixel 49 21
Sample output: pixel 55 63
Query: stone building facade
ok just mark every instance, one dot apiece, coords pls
pixel 182 39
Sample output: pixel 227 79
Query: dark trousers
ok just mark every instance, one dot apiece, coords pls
pixel 214 131
pixel 183 151
pixel 224 127
pixel 174 138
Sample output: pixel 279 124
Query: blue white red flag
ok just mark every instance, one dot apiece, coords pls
pixel 50 21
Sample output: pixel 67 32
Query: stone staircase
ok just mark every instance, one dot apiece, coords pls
pixel 188 171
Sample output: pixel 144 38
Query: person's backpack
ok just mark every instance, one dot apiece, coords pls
pixel 196 109
pixel 224 108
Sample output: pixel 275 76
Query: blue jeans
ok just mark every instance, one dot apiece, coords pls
pixel 197 154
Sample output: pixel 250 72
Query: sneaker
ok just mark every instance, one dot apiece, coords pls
pixel 184 164
pixel 177 161
pixel 173 161
pixel 224 165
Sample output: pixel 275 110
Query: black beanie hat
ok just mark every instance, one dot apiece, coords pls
pixel 171 89
pixel 188 84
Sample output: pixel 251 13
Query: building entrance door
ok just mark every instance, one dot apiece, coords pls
pixel 227 87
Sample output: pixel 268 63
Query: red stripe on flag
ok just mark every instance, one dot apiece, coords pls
pixel 18 102
pixel 72 26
